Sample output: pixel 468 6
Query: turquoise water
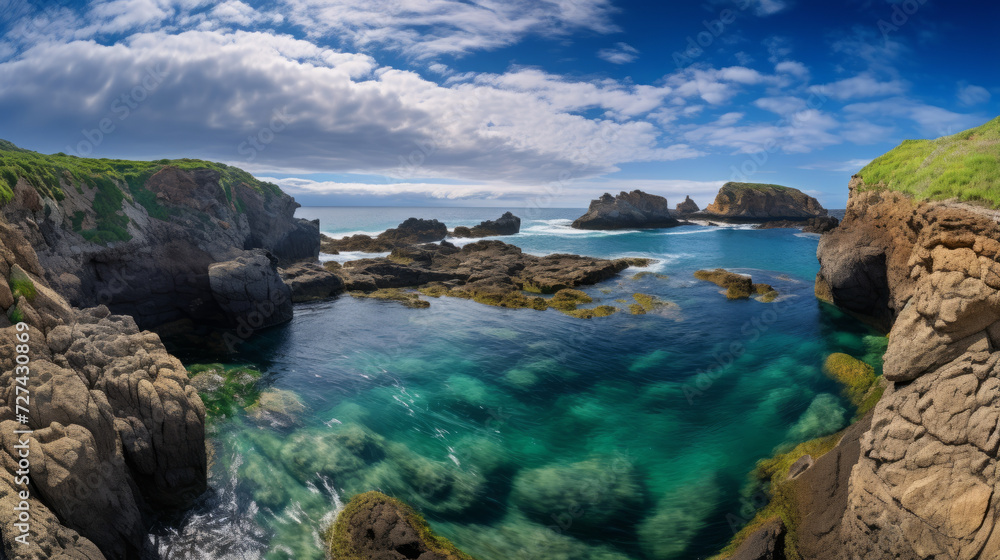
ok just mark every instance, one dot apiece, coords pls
pixel 531 434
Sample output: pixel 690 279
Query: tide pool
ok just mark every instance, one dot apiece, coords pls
pixel 531 434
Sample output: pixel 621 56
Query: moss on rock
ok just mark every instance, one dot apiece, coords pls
pixel 373 525
pixel 856 376
pixel 408 299
pixel 225 390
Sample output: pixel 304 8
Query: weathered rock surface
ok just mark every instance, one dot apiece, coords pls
pixel 688 206
pixel 766 543
pixel 820 224
pixel 634 209
pixel 117 429
pixel 160 274
pixel 482 267
pixel 756 201
pixel 250 291
pixel 374 526
pixel 310 281
pixel 508 224
pixel 410 232
pixel 925 483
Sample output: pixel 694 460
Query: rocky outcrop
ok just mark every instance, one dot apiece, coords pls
pixel 143 247
pixel 687 207
pixel 310 281
pixel 628 210
pixel 484 267
pixel 116 430
pixel 508 224
pixel 410 232
pixel 821 224
pixel 373 525
pixel 761 202
pixel 924 485
pixel 250 291
pixel 737 286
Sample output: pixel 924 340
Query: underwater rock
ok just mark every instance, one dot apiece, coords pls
pixel 336 454
pixel 374 526
pixel 678 517
pixel 856 376
pixel 584 496
pixel 278 408
pixel 823 417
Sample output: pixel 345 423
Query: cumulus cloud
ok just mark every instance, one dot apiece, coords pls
pixel 622 53
pixel 930 120
pixel 801 132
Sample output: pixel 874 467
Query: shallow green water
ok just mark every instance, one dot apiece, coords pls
pixel 527 434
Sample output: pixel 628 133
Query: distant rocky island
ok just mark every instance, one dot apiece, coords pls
pixel 628 210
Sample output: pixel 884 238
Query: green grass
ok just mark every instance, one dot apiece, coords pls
pixel 21 285
pixel 114 180
pixel 16 316
pixel 964 166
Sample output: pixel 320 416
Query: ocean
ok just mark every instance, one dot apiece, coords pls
pixel 530 434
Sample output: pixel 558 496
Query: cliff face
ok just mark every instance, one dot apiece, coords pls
pixel 755 201
pixel 634 209
pixel 142 243
pixel 924 485
pixel 117 430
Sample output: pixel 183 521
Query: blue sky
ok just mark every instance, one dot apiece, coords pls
pixel 499 103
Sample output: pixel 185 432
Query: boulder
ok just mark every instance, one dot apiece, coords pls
pixel 634 209
pixel 688 206
pixel 250 290
pixel 310 281
pixel 758 201
pixel 375 526
pixel 508 224
pixel 766 543
pixel 413 231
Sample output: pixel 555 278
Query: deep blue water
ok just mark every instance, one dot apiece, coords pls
pixel 490 421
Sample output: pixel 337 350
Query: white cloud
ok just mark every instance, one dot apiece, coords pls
pixel 973 95
pixel 783 105
pixel 768 7
pixel 801 132
pixel 930 120
pixel 622 53
pixel 454 27
pixel 794 68
pixel 860 87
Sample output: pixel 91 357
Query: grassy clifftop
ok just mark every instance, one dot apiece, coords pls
pixel 965 166
pixel 115 180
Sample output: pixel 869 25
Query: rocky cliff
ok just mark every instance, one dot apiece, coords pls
pixel 141 237
pixel 634 209
pixel 924 484
pixel 117 433
pixel 758 201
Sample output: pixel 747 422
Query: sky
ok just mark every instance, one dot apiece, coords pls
pixel 510 103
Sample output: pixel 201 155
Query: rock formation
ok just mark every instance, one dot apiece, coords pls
pixel 635 209
pixel 410 232
pixel 508 224
pixel 310 281
pixel 141 241
pixel 117 429
pixel 924 485
pixel 687 207
pixel 821 224
pixel 761 202
pixel 373 525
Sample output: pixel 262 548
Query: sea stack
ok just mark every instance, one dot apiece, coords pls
pixel 759 201
pixel 635 209
pixel 508 224
pixel 688 206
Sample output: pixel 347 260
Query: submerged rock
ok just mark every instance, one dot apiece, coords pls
pixel 375 526
pixel 278 408
pixel 634 209
pixel 508 224
pixel 583 496
pixel 738 286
